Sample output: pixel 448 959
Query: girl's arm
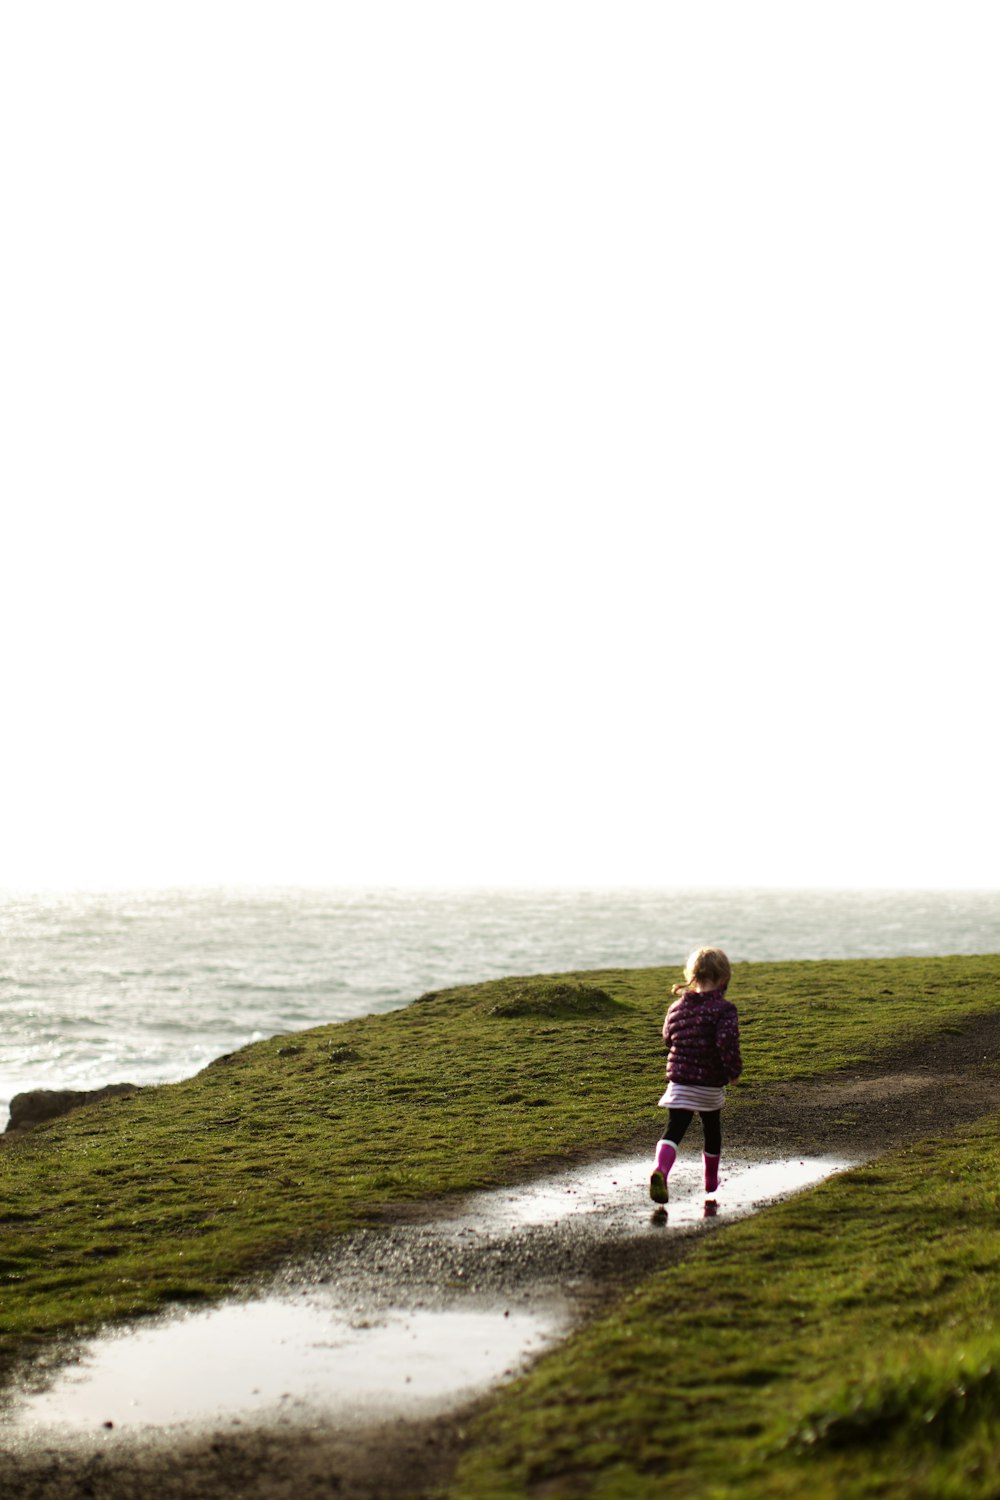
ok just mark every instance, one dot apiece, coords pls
pixel 727 1039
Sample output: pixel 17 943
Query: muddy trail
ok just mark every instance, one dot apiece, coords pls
pixel 356 1373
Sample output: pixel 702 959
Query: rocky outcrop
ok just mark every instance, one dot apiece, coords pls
pixel 36 1105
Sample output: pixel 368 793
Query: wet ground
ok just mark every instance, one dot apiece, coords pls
pixel 402 1323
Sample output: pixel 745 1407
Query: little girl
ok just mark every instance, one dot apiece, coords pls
pixel 702 1035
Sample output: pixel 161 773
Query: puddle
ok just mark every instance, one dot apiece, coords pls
pixel 618 1191
pixel 282 1360
pixel 419 1326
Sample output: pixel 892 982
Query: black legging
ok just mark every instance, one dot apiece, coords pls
pixel 711 1119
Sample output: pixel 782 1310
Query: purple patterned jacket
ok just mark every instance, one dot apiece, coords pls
pixel 702 1035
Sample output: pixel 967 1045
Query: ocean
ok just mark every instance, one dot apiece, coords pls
pixel 148 987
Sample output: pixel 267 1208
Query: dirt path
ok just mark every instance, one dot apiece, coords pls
pixel 902 1096
pixel 574 1266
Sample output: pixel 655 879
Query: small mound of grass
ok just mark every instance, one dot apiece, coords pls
pixel 555 1001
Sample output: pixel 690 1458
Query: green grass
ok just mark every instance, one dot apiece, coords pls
pixel 843 1344
pixel 175 1193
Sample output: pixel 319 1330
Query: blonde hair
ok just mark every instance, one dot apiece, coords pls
pixel 706 966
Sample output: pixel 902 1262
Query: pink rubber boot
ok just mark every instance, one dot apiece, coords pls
pixel 666 1155
pixel 711 1173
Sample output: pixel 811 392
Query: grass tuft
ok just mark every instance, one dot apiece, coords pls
pixel 937 1389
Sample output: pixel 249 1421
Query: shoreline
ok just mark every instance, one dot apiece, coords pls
pixel 153 989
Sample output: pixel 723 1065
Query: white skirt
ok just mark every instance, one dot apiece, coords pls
pixel 692 1096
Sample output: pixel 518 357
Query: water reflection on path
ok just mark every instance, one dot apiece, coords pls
pixel 323 1352
pixel 288 1360
pixel 615 1190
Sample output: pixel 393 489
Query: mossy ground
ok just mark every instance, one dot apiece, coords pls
pixel 175 1193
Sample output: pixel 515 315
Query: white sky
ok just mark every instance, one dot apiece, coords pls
pixel 520 443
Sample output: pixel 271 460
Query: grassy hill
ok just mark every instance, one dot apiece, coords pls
pixel 858 1313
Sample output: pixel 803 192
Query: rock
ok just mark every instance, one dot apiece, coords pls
pixel 36 1105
